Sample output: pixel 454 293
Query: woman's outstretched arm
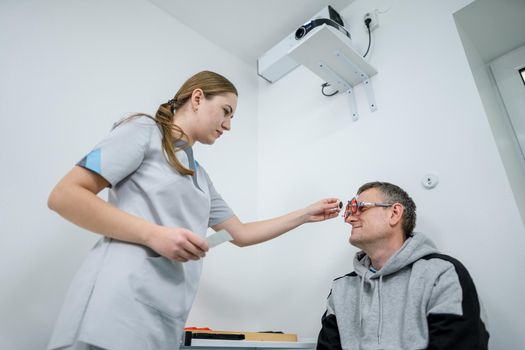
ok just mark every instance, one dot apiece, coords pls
pixel 245 234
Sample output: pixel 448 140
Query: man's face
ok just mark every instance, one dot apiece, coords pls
pixel 370 224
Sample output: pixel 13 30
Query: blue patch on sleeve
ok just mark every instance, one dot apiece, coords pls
pixel 92 161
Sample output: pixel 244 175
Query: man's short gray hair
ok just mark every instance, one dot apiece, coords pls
pixel 395 194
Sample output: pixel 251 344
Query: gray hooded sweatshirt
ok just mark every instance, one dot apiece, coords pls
pixel 419 299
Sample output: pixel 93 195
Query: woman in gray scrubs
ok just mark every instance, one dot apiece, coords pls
pixel 136 287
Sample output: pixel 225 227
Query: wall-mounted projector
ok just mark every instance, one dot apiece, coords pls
pixel 275 63
pixel 333 19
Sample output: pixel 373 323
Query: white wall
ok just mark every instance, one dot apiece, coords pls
pixel 430 119
pixel 68 70
pixel 476 47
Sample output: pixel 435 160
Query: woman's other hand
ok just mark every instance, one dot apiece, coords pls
pixel 178 244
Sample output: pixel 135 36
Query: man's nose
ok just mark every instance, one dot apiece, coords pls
pixel 351 219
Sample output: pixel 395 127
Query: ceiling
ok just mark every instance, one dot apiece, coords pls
pixel 495 27
pixel 246 28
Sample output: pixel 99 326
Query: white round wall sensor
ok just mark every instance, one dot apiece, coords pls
pixel 429 181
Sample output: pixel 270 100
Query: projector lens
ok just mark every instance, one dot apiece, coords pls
pixel 299 33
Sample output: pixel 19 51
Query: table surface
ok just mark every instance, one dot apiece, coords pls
pixel 243 344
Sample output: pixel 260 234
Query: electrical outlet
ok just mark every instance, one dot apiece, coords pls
pixel 374 22
pixel 429 181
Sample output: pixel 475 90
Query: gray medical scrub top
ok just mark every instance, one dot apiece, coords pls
pixel 125 296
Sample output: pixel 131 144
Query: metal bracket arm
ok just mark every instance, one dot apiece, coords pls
pixel 342 85
pixel 365 79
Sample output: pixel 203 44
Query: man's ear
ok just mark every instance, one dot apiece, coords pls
pixel 396 216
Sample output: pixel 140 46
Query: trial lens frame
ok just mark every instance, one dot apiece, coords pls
pixel 353 206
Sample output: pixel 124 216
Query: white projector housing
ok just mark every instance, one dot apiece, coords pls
pixel 276 63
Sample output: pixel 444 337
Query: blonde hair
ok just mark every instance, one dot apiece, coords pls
pixel 211 84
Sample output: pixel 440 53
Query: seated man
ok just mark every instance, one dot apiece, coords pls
pixel 403 293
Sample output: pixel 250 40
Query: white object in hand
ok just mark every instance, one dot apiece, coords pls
pixel 218 238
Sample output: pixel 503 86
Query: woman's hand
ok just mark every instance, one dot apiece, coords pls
pixel 178 244
pixel 324 209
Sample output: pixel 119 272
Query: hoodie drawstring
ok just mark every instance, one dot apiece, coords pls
pixel 380 323
pixel 380 305
pixel 361 292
